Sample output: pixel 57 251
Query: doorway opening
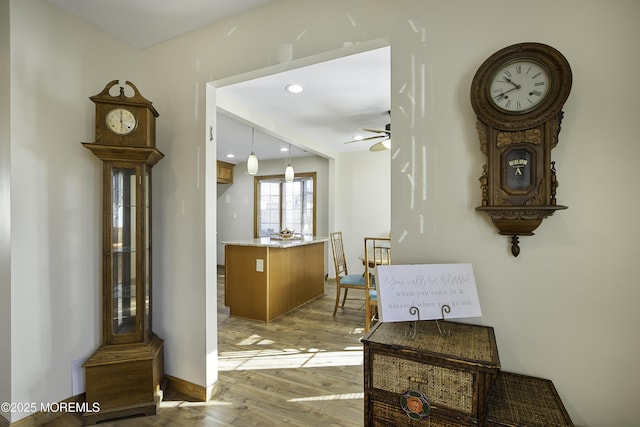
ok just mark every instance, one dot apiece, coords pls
pixel 344 172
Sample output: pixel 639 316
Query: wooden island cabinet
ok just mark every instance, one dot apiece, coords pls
pixel 266 278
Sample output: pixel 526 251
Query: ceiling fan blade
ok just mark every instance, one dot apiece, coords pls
pixel 367 139
pixel 385 134
pixel 381 146
pixel 377 131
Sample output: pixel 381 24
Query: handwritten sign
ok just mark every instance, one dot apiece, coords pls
pixel 427 287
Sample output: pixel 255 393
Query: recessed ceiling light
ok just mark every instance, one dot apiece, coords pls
pixel 358 137
pixel 284 149
pixel 230 156
pixel 294 88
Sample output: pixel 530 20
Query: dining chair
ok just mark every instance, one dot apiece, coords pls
pixel 344 280
pixel 377 251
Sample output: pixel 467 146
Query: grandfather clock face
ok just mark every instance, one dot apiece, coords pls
pixel 121 121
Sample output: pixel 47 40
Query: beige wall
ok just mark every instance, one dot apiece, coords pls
pixel 565 309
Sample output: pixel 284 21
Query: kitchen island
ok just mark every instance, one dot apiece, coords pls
pixel 266 278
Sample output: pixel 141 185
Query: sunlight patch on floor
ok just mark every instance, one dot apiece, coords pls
pixel 255 340
pixel 177 404
pixel 346 396
pixel 288 359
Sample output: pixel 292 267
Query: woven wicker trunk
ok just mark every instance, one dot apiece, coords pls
pixel 453 372
pixel 524 401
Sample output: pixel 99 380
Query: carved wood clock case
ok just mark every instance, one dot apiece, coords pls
pixel 123 375
pixel 517 95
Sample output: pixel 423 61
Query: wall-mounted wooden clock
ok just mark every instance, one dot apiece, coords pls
pixel 517 95
pixel 124 374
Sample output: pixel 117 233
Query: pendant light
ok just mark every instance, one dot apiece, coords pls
pixel 288 172
pixel 252 161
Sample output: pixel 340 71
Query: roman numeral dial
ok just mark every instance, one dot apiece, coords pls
pixel 519 86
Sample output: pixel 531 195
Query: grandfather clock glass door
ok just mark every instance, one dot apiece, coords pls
pixel 146 239
pixel 124 251
pixel 128 247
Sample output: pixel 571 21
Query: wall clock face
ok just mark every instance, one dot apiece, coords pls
pixel 519 86
pixel 121 121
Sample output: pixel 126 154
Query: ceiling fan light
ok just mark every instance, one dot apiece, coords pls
pixel 252 164
pixel 387 144
pixel 294 88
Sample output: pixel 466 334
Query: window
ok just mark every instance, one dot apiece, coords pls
pixel 279 204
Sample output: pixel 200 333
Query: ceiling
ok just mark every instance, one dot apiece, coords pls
pixel 341 96
pixel 144 23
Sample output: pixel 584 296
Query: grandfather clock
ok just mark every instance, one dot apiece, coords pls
pixel 123 376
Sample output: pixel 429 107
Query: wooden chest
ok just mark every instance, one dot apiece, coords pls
pixel 517 400
pixel 453 372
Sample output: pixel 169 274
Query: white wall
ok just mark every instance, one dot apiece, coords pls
pixel 552 315
pixel 5 210
pixel 362 202
pixel 57 62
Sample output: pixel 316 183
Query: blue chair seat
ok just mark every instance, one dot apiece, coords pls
pixel 373 295
pixel 353 280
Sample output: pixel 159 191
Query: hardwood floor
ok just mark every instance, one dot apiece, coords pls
pixel 302 369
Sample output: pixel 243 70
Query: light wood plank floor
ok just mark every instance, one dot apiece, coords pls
pixel 302 369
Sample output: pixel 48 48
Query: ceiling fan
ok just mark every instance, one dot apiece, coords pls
pixel 383 144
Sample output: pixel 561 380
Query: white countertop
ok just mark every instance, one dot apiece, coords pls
pixel 272 243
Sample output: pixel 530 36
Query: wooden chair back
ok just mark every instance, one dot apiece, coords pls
pixel 339 260
pixel 377 251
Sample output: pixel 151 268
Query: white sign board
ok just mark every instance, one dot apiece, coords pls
pixel 427 287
